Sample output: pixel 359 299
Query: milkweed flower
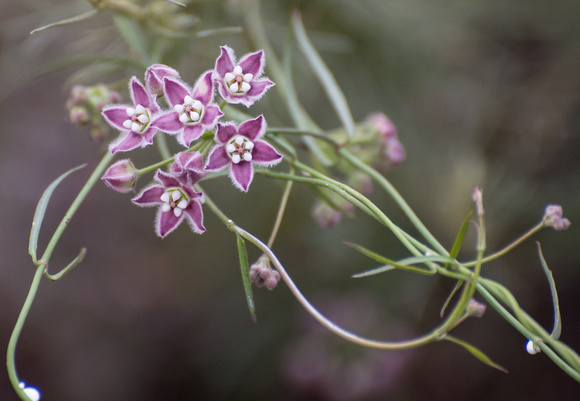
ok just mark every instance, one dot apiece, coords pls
pixel 177 201
pixel 188 167
pixel 193 111
pixel 134 121
pixel 241 82
pixel 121 176
pixel 240 148
pixel 154 77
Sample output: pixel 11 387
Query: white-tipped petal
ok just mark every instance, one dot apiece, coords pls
pixel 175 195
pixel 127 124
pixel 197 105
pixel 178 108
pixel 230 148
pixel 247 156
pixel 183 118
pixel 177 212
pixel 143 118
pixel 237 70
pixel 130 111
pixel 194 115
pixel 239 140
pixel 187 100
pixel 234 87
pixel 165 207
pixel 249 145
pixel 248 77
pixel 245 87
pixel 182 204
pixel 139 109
pixel 136 127
pixel 236 158
pixel 229 77
pixel 165 197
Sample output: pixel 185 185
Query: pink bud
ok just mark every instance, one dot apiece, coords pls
pixel 121 176
pixel 553 218
pixel 154 77
pixel 380 123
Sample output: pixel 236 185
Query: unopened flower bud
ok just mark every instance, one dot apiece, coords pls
pixel 394 152
pixel 273 280
pixel 121 176
pixel 154 77
pixel 475 308
pixel 79 115
pixel 553 218
pixel 380 123
pixel 532 348
pixel 262 274
pixel 325 215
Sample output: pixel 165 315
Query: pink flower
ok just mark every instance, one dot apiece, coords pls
pixel 193 111
pixel 240 148
pixel 154 77
pixel 241 82
pixel 121 176
pixel 134 121
pixel 176 198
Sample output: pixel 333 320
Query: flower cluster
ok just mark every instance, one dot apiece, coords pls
pixel 191 114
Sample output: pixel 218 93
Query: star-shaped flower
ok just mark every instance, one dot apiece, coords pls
pixel 241 82
pixel 193 111
pixel 177 200
pixel 240 148
pixel 134 121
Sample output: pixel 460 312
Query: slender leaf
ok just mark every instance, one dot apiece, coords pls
pixel 245 268
pixel 388 262
pixel 450 297
pixel 41 210
pixel 557 321
pixel 77 18
pixel 477 353
pixel 69 267
pixel 325 76
pixel 460 237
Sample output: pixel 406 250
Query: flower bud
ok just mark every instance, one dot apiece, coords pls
pixel 475 308
pixel 154 77
pixel 324 215
pixel 79 115
pixel 380 123
pixel 121 176
pixel 553 218
pixel 394 152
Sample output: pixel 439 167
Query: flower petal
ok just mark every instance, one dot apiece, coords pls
pixel 253 63
pixel 225 62
pixel 225 132
pixel 126 143
pixel 166 222
pixel 168 122
pixel 116 115
pixel 150 196
pixel 175 91
pixel 154 77
pixel 218 159
pixel 265 155
pixel 203 88
pixel 210 116
pixel 167 179
pixel 139 94
pixel 259 87
pixel 190 134
pixel 253 129
pixel 242 174
pixel 194 216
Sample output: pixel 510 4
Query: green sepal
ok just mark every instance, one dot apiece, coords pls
pixel 476 353
pixel 557 321
pixel 245 268
pixel 41 210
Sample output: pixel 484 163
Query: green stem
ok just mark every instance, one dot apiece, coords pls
pixel 281 210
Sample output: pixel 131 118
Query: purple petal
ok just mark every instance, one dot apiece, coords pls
pixel 154 77
pixel 225 62
pixel 148 136
pixel 218 159
pixel 168 122
pixel 167 179
pixel 194 215
pixel 210 116
pixel 126 143
pixel 225 132
pixel 241 175
pixel 258 88
pixel 116 116
pixel 139 94
pixel 175 91
pixel 253 63
pixel 190 134
pixel 149 196
pixel 253 129
pixel 222 90
pixel 265 155
pixel 166 222
pixel 185 161
pixel 203 89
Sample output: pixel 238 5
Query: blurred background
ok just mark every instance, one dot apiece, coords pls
pixel 483 93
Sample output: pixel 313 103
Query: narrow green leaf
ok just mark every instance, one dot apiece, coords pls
pixel 77 18
pixel 245 268
pixel 381 259
pixel 41 210
pixel 176 3
pixel 325 76
pixel 460 237
pixel 69 267
pixel 557 321
pixel 132 34
pixel 450 297
pixel 477 353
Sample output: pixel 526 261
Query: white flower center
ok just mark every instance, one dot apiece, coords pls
pixel 237 82
pixel 190 112
pixel 240 148
pixel 139 118
pixel 174 199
